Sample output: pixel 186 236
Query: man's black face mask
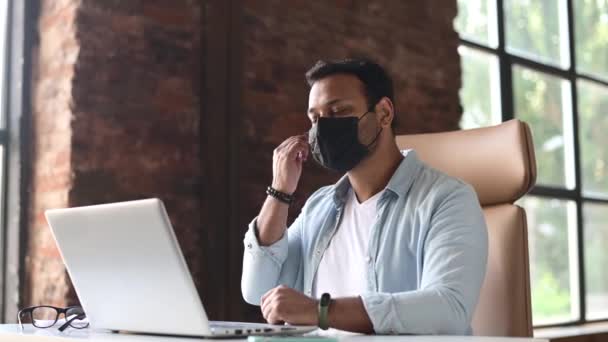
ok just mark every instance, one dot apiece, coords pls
pixel 334 142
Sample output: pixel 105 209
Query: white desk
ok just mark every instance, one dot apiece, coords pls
pixel 12 333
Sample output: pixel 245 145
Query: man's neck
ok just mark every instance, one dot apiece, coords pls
pixel 374 173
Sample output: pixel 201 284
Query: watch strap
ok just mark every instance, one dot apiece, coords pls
pixel 323 311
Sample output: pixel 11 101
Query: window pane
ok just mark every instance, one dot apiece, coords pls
pixel 552 241
pixel 538 29
pixel 480 92
pixel 476 21
pixel 3 26
pixel 593 123
pixel 596 259
pixel 591 36
pixel 543 101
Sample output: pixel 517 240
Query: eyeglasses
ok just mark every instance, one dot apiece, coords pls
pixel 45 316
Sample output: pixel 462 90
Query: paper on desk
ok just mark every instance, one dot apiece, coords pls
pixel 60 322
pixel 51 334
pixel 30 338
pixel 30 333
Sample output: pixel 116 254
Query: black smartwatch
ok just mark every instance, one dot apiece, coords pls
pixel 323 311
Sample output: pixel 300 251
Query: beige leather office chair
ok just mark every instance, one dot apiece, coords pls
pixel 499 163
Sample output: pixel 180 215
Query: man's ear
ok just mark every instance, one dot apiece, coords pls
pixel 385 111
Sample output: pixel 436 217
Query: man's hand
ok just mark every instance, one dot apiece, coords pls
pixel 287 163
pixel 286 171
pixel 283 304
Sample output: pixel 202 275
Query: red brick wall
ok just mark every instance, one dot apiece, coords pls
pixel 163 98
pixel 136 110
pixel 116 118
pixel 54 61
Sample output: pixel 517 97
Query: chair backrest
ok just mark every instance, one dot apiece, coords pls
pixel 499 163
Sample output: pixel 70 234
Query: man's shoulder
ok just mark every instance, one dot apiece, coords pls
pixel 439 184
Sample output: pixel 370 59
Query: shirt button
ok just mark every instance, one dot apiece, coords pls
pixel 368 259
pixel 249 245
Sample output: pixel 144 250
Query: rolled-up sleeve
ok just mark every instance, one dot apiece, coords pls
pixel 454 266
pixel 265 267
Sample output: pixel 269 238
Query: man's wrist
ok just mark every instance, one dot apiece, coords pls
pixel 276 200
pixel 315 314
pixel 279 195
pixel 282 187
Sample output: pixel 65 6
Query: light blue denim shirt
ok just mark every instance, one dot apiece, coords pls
pixel 427 251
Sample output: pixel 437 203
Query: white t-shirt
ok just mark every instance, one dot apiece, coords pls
pixel 341 271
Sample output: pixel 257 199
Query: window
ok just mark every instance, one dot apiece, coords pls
pixel 3 141
pixel 546 62
pixel 18 24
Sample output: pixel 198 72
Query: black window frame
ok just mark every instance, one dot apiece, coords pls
pixel 21 33
pixel 506 62
pixel 3 144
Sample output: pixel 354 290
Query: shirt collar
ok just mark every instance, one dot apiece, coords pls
pixel 399 184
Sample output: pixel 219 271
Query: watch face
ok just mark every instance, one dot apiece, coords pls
pixel 325 299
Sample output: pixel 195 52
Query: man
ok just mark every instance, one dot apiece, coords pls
pixel 393 247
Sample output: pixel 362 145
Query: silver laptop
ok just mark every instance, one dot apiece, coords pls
pixel 130 275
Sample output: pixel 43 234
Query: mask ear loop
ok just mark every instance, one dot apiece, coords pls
pixel 307 135
pixel 377 134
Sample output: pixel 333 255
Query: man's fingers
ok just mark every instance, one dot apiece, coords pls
pixel 289 141
pixel 294 142
pixel 296 151
pixel 269 310
pixel 297 147
pixel 266 295
pixel 269 304
pixel 273 319
pixel 265 304
pixel 271 313
pixel 266 311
